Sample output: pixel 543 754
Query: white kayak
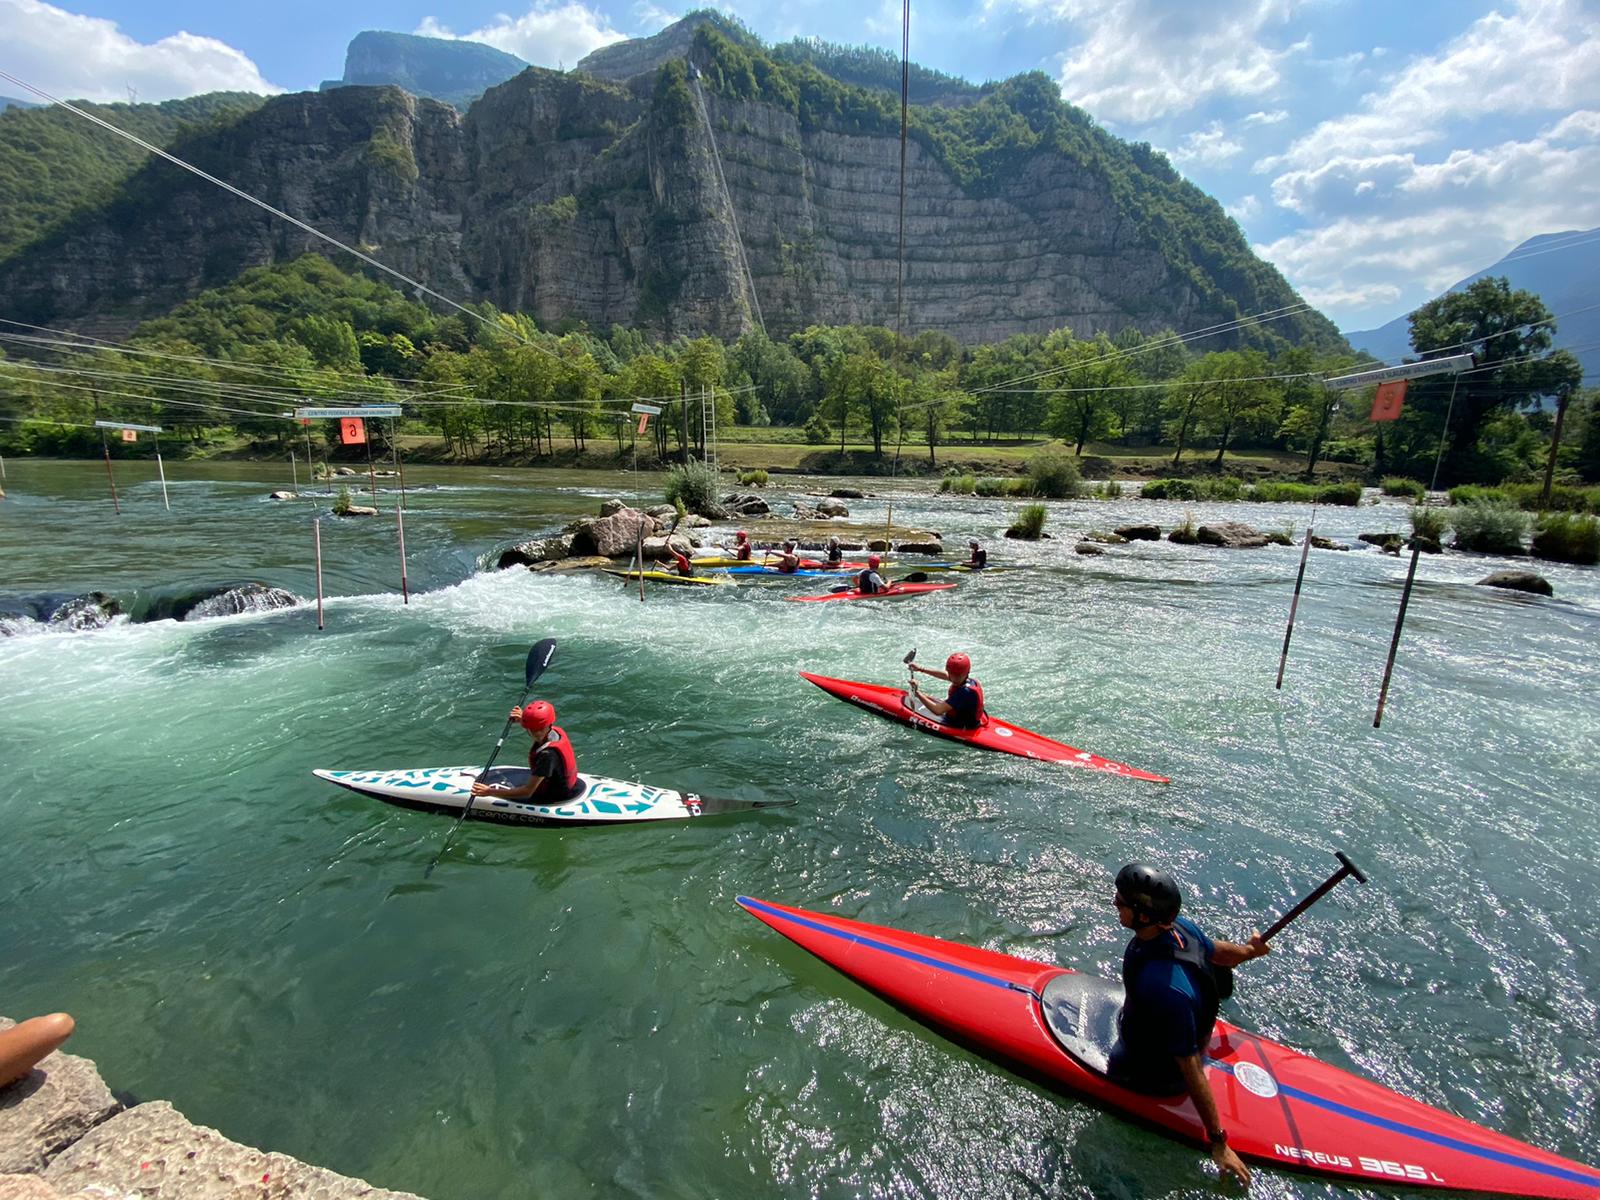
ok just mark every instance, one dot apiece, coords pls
pixel 602 801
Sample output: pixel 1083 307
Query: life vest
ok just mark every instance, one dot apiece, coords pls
pixel 557 741
pixel 685 568
pixel 969 681
pixel 1214 984
pixel 742 551
pixel 864 583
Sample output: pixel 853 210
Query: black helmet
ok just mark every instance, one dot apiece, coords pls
pixel 1153 895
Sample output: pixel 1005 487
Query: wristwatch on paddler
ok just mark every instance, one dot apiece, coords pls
pixel 1219 1138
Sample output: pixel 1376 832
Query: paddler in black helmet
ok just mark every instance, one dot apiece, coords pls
pixel 553 776
pixel 962 707
pixel 1171 989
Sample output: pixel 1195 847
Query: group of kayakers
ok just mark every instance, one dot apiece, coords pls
pixel 787 561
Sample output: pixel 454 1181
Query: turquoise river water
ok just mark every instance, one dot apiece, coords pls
pixel 562 1012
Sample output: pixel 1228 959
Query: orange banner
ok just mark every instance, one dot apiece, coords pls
pixel 1386 406
pixel 352 431
pixel 644 419
pixel 130 435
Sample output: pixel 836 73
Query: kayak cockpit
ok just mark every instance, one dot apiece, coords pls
pixel 1084 1015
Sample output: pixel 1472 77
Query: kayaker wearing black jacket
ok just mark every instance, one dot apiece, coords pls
pixel 1171 991
pixel 554 767
pixel 835 552
pixel 962 707
pixel 977 556
pixel 869 582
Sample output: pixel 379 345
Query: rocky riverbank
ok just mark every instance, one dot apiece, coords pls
pixel 64 1134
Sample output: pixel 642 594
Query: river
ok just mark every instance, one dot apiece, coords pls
pixel 587 1011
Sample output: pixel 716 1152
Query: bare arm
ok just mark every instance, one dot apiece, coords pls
pixel 1194 1078
pixel 1231 954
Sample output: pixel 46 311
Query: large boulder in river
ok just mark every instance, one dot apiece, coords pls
pixel 245 598
pixel 92 610
pixel 746 504
pixel 1139 533
pixel 613 536
pixel 538 550
pixel 1389 543
pixel 1089 548
pixel 1519 581
pixel 613 505
pixel 1322 543
pixel 1106 539
pixel 832 508
pixel 934 548
pixel 847 494
pixel 659 549
pixel 1232 535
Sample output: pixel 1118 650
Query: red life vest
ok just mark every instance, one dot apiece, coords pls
pixel 568 781
pixel 742 551
pixel 684 566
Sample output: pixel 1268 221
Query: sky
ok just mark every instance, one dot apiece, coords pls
pixel 1375 151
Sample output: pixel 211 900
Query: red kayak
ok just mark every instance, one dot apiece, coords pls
pixel 892 592
pixel 993 734
pixel 1279 1106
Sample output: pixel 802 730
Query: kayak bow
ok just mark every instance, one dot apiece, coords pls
pixel 1281 1107
pixel 896 704
pixel 895 591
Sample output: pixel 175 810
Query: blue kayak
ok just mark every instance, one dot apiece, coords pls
pixel 804 571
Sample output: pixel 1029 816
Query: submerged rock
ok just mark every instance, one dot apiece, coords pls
pixel 1106 539
pixel 1518 581
pixel 1183 535
pixel 248 597
pixel 1389 543
pixel 1089 548
pixel 91 611
pixel 538 550
pixel 1321 543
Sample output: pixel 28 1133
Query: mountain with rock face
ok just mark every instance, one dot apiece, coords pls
pixel 713 194
pixel 456 72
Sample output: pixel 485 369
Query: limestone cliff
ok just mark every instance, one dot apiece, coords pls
pixel 457 72
pixel 571 197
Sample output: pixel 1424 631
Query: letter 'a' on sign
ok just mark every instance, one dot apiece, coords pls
pixel 644 419
pixel 352 431
pixel 130 435
pixel 1386 406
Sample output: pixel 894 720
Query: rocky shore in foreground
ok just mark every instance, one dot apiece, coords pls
pixel 64 1134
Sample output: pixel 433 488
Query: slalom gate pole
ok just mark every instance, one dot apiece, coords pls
pixel 310 470
pixel 294 473
pixel 1288 632
pixel 1394 642
pixel 399 470
pixel 162 471
pixel 400 524
pixel 316 530
pixel 105 449
pixel 372 476
pixel 2 466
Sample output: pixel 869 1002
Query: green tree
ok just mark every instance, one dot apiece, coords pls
pixel 1241 401
pixel 1089 373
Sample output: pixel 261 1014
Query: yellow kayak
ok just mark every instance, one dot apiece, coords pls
pixel 672 577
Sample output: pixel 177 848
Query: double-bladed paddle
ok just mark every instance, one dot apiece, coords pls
pixel 538 659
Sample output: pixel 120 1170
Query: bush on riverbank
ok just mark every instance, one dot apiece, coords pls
pixel 1568 537
pixel 342 502
pixel 999 487
pixel 1489 525
pixel 1053 476
pixel 1171 489
pixel 1396 485
pixel 1530 496
pixel 695 484
pixel 959 485
pixel 755 478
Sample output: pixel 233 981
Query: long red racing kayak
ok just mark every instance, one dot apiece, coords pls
pixel 1279 1106
pixel 994 734
pixel 893 592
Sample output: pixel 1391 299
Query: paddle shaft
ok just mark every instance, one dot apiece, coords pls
pixel 1346 868
pixel 536 668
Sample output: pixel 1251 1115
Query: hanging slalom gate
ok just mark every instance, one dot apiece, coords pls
pixel 360 414
pixel 135 431
pixel 1453 365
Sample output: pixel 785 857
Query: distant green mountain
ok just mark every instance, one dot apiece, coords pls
pixel 54 164
pixel 12 102
pixel 1562 269
pixel 455 72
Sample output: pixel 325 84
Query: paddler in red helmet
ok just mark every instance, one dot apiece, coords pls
pixel 869 582
pixel 1171 987
pixel 553 776
pixel 741 546
pixel 680 560
pixel 962 707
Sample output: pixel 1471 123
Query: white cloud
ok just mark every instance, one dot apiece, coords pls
pixel 547 35
pixel 1544 58
pixel 1275 117
pixel 78 57
pixel 1244 208
pixel 652 18
pixel 1137 62
pixel 1208 147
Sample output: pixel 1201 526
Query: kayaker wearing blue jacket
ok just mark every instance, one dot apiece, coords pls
pixel 1171 992
pixel 869 582
pixel 962 707
pixel 554 767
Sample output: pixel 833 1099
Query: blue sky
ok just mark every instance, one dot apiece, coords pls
pixel 1375 151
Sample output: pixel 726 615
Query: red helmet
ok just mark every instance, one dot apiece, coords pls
pixel 874 561
pixel 741 534
pixel 538 716
pixel 958 664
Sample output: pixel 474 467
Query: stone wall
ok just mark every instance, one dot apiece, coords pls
pixel 63 1134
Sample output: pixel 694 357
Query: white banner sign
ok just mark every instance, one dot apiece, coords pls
pixel 650 410
pixel 371 410
pixel 126 425
pixel 1453 365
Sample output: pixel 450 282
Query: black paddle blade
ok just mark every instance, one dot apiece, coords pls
pixel 539 658
pixel 1350 866
pixel 910 656
pixel 914 577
